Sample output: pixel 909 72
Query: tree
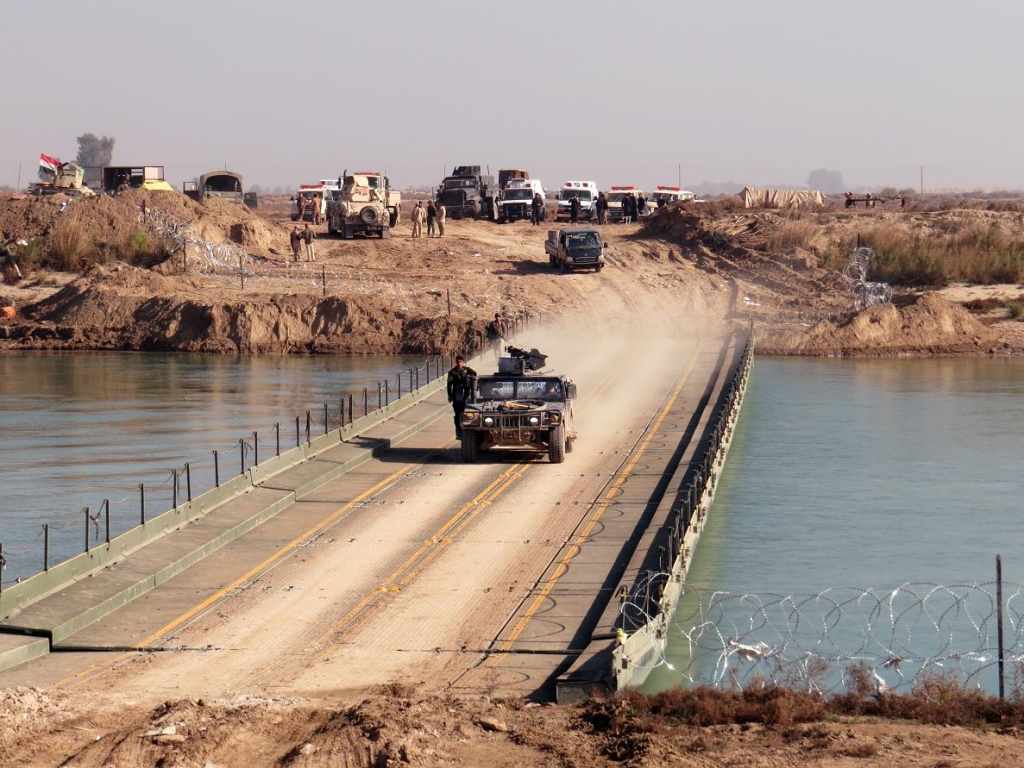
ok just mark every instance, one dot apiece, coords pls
pixel 829 182
pixel 94 151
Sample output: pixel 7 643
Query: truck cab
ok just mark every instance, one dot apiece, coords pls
pixel 521 408
pixel 516 199
pixel 468 193
pixel 575 248
pixel 586 191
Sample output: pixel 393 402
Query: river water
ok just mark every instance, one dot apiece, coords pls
pixel 847 480
pixel 81 428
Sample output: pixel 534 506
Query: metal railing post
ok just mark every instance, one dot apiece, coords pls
pixel 216 470
pixel 106 505
pixel 366 401
pixel 326 416
pixel 86 510
pixel 188 481
pixel 298 440
pixel 309 424
pixel 142 500
pixel 46 547
pixel 277 436
pixel 174 489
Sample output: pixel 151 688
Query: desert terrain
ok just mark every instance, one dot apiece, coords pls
pixel 684 268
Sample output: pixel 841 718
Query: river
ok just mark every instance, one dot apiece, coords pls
pixel 847 479
pixel 79 429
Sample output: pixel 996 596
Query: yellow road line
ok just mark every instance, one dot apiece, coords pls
pixel 580 539
pixel 428 550
pixel 241 579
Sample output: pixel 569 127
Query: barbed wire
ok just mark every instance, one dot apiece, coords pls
pixel 867 294
pixel 809 642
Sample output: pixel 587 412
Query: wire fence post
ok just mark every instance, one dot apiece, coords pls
pixel 298 441
pixel 142 502
pixel 351 404
pixel 326 417
pixel 309 426
pixel 999 624
pixel 366 401
pixel 277 436
pixel 174 489
pixel 241 454
pixel 216 470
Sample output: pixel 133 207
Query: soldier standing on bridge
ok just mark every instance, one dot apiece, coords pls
pixel 460 387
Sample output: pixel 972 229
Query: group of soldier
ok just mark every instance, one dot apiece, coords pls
pixel 434 214
pixel 297 239
pixel 315 203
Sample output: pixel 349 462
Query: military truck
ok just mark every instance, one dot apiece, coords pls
pixel 224 185
pixel 575 248
pixel 520 408
pixel 470 194
pixel 365 203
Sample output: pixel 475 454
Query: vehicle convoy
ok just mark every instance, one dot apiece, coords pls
pixel 517 198
pixel 365 203
pixel 223 185
pixel 66 178
pixel 520 407
pixel 575 248
pixel 470 194
pixel 664 195
pixel 614 197
pixel 586 191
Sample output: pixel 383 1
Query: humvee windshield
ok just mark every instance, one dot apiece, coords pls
pixel 520 389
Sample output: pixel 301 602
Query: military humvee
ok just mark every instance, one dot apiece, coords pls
pixel 520 407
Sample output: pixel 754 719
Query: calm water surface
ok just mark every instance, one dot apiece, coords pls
pixel 868 474
pixel 80 428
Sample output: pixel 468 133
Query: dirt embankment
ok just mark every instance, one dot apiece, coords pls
pixel 401 295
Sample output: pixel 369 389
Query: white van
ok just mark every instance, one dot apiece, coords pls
pixel 586 191
pixel 517 197
pixel 664 195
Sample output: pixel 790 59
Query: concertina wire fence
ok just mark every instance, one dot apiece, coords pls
pixel 809 642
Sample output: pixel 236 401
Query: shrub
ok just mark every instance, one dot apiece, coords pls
pixel 1015 308
pixel 790 234
pixel 68 245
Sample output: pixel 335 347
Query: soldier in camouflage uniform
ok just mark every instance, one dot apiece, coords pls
pixel 459 389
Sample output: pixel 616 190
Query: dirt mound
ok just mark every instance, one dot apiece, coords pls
pixel 926 324
pixel 104 221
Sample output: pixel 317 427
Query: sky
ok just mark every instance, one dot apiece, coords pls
pixel 885 92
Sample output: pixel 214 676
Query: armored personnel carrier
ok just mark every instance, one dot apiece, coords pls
pixel 521 407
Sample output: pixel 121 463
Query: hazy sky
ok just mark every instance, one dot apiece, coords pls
pixel 618 92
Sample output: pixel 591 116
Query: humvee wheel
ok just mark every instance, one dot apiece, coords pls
pixel 556 444
pixel 470 440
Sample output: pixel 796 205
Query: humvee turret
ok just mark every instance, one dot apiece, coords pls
pixel 520 407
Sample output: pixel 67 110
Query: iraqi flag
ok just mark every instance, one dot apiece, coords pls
pixel 49 163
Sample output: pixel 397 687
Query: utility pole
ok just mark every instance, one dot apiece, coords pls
pixel 18 188
pixel 680 182
pixel 922 179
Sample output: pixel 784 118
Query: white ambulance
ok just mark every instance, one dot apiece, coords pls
pixel 517 198
pixel 586 191
pixel 664 195
pixel 614 197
